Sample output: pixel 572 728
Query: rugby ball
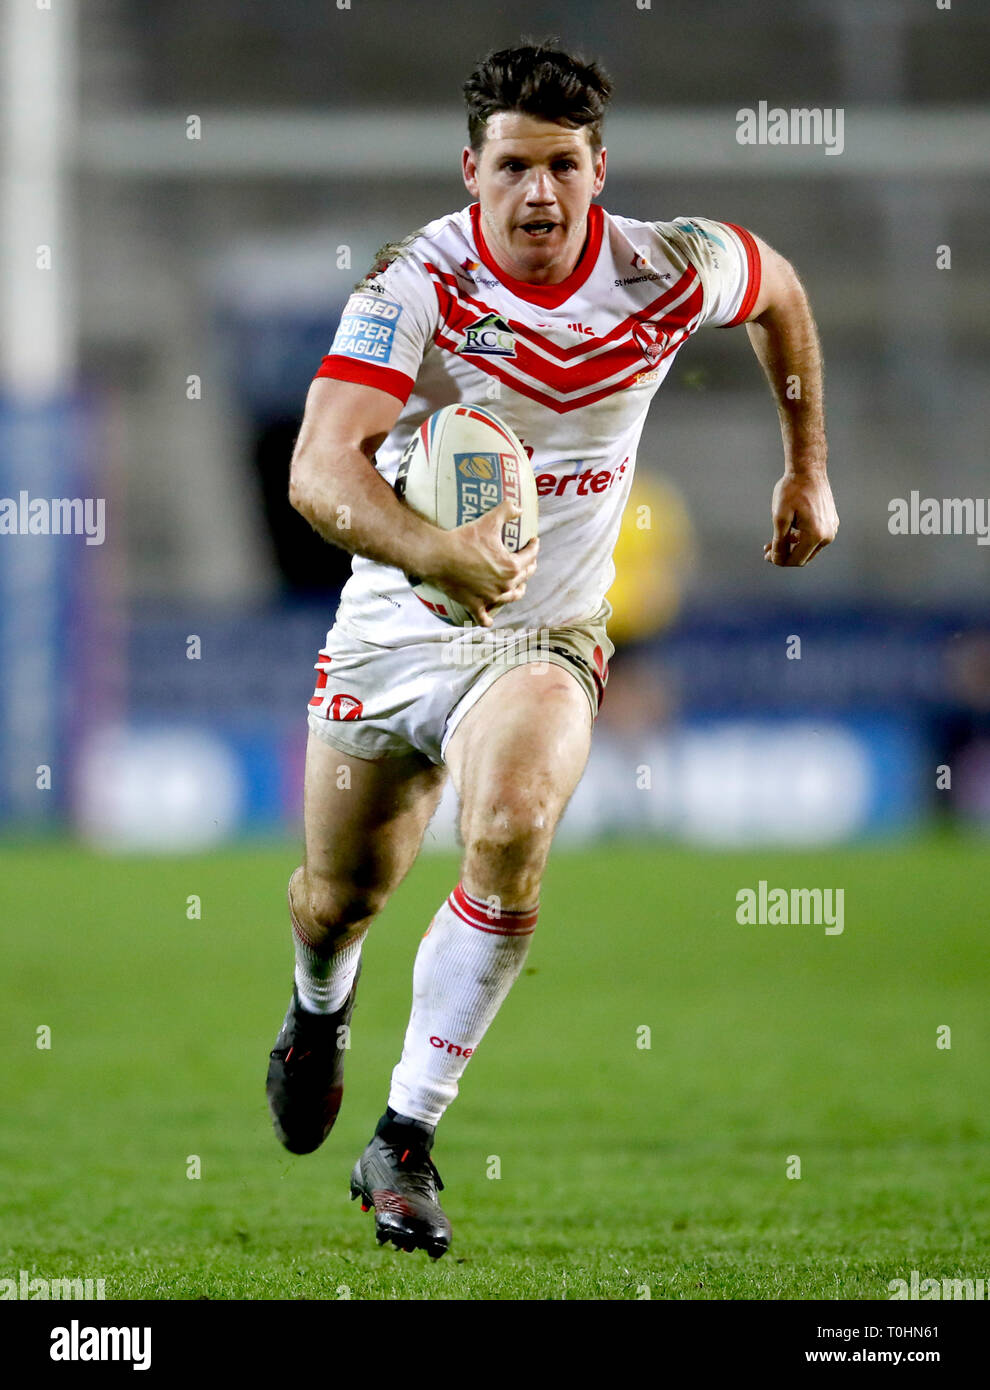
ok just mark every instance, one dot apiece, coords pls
pixel 460 463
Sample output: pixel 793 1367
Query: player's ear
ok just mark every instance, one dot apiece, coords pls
pixel 600 171
pixel 469 168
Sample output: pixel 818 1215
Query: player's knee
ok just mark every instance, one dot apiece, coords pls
pixel 513 830
pixel 332 905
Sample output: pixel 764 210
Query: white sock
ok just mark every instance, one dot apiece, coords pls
pixel 324 981
pixel 466 965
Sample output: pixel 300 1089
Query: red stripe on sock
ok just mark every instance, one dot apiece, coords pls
pixel 499 921
pixel 482 906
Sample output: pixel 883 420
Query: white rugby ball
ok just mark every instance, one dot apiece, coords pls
pixel 460 463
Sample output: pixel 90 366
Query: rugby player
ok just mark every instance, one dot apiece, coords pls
pixel 563 319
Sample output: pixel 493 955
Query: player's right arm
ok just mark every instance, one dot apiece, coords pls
pixel 334 484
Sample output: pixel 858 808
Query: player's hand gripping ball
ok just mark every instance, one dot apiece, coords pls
pixel 460 463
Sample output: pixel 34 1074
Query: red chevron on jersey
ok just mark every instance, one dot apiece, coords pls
pixel 493 367
pixel 565 389
pixel 600 363
pixel 594 361
pixel 663 305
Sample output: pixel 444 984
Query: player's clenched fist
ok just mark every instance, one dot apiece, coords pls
pixel 804 518
pixel 474 567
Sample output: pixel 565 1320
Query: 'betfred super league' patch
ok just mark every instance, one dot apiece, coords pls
pixel 367 328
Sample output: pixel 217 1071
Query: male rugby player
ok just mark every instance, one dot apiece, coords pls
pixel 563 319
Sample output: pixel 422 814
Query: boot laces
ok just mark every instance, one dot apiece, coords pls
pixel 417 1167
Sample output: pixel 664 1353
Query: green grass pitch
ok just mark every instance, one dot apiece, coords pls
pixel 623 1169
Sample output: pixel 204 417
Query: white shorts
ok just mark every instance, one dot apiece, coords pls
pixel 379 702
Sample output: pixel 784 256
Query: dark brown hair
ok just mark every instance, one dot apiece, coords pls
pixel 537 80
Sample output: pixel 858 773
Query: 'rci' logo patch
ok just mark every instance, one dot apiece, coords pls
pixel 490 336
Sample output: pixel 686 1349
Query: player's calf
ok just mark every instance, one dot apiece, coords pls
pixel 466 964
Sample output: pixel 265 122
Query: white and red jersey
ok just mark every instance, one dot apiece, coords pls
pixel 571 367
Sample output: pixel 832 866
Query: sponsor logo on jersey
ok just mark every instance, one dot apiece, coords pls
pixel 709 236
pixel 581 328
pixel 367 328
pixel 637 279
pixel 548 484
pixel 469 269
pixel 490 336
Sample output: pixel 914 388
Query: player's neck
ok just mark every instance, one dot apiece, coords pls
pixel 553 274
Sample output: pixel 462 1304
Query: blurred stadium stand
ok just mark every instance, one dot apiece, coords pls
pixel 218 258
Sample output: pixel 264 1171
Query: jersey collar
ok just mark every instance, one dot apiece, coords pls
pixel 546 296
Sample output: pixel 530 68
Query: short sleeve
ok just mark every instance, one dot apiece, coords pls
pixel 386 327
pixel 727 259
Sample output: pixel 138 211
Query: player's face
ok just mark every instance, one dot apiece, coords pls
pixel 535 181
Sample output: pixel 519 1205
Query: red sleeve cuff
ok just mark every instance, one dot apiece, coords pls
pixel 754 270
pixel 367 374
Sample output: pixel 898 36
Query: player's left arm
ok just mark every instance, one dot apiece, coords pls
pixel 782 331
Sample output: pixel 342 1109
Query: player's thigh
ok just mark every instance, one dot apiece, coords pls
pixel 518 754
pixel 364 824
